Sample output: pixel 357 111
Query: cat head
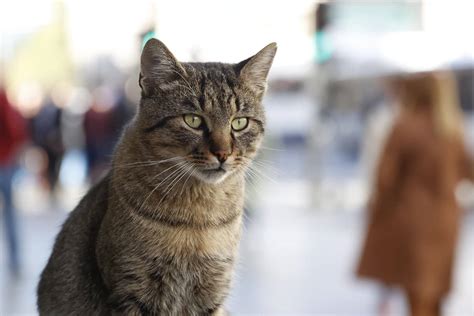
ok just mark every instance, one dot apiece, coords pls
pixel 207 115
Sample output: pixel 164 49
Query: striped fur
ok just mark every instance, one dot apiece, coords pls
pixel 159 235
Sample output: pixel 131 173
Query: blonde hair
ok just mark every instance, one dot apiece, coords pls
pixel 447 111
pixel 437 90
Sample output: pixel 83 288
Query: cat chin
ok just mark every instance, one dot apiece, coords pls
pixel 211 177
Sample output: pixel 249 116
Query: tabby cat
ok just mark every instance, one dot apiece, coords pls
pixel 159 234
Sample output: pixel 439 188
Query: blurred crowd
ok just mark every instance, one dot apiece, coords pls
pixel 50 125
pixel 67 119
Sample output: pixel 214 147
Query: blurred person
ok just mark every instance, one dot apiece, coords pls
pixel 47 135
pixel 12 135
pixel 414 215
pixel 123 111
pixel 103 123
pixel 379 124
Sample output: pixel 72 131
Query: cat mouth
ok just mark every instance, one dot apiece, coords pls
pixel 212 175
pixel 218 170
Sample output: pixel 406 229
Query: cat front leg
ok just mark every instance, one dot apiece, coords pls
pixel 129 311
pixel 220 312
pixel 127 305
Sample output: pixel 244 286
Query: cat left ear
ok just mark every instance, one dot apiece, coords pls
pixel 254 70
pixel 158 67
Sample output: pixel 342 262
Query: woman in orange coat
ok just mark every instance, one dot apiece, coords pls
pixel 414 216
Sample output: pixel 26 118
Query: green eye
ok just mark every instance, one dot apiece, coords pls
pixel 240 123
pixel 192 120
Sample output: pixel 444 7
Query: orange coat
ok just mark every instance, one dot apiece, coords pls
pixel 414 216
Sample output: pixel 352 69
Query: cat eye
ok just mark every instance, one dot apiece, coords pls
pixel 193 121
pixel 240 123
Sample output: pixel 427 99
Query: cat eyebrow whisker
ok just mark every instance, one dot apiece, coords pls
pixel 188 86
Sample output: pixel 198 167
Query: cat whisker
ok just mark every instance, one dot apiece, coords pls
pixel 253 176
pixel 188 170
pixel 253 183
pixel 146 163
pixel 182 172
pixel 266 161
pixel 267 167
pixel 159 184
pixel 264 164
pixel 189 176
pixel 250 178
pixel 261 174
pixel 269 148
pixel 181 160
pixel 173 182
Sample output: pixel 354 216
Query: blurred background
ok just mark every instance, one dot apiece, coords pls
pixel 70 68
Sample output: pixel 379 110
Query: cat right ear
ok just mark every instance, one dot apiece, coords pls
pixel 254 70
pixel 158 67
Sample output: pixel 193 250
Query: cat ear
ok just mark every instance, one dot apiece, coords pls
pixel 254 70
pixel 158 67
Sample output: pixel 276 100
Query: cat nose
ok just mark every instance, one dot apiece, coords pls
pixel 221 155
pixel 220 146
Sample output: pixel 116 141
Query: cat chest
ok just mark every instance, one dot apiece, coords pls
pixel 193 269
pixel 159 239
pixel 192 283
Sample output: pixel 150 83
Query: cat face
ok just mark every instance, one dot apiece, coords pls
pixel 207 116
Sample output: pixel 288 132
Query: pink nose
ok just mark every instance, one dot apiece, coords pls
pixel 221 155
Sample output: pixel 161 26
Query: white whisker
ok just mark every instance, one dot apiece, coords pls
pixel 269 148
pixel 146 163
pixel 182 172
pixel 159 184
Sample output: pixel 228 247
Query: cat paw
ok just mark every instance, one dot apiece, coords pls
pixel 220 312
